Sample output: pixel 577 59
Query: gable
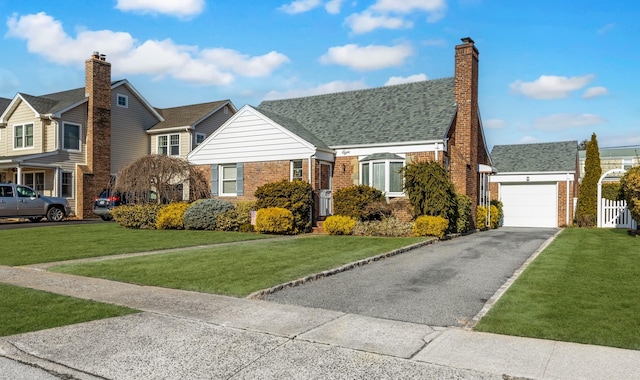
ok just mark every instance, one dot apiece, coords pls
pixel 540 157
pixel 250 136
pixel 419 111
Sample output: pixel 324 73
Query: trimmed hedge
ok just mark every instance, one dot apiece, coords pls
pixel 141 216
pixel 294 196
pixel 171 216
pixel 388 227
pixel 339 225
pixel 274 220
pixel 360 202
pixel 201 215
pixel 427 225
pixel 463 210
pixel 238 218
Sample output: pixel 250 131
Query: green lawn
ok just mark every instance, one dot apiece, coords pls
pixel 239 270
pixel 57 243
pixel 23 310
pixel 585 288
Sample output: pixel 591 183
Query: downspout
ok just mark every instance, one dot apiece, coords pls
pixel 56 131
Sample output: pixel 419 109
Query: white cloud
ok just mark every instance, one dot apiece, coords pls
pixel 619 140
pixel 528 140
pixel 494 123
pixel 333 6
pixel 371 57
pixel 435 8
pixel 366 22
pixel 593 92
pixel 327 88
pixel 566 121
pixel 550 86
pixel 178 8
pixel 46 37
pixel 300 6
pixel 606 28
pixel 400 80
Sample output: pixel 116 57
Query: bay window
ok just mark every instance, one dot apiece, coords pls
pixel 383 172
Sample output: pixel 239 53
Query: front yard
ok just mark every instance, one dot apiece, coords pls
pixel 583 288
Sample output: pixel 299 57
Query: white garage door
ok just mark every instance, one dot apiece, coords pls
pixel 530 205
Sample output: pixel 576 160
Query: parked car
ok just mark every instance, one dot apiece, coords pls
pixel 19 201
pixel 106 201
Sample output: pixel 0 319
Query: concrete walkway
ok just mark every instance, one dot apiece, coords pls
pixel 183 334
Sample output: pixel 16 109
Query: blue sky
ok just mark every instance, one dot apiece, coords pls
pixel 549 70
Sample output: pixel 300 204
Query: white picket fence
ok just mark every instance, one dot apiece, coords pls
pixel 615 214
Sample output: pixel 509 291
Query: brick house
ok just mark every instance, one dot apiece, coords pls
pixel 536 183
pixel 356 137
pixel 72 143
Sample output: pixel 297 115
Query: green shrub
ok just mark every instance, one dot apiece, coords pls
pixel 612 191
pixel 427 225
pixel 430 190
pixel 463 210
pixel 360 202
pixel 500 213
pixel 482 214
pixel 274 220
pixel 630 183
pixel 494 217
pixel 234 219
pixel 171 216
pixel 201 215
pixel 388 227
pixel 588 193
pixel 294 196
pixel 141 216
pixel 339 225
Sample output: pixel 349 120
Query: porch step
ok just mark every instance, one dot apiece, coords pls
pixel 317 229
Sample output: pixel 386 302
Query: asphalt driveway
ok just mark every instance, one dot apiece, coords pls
pixel 444 284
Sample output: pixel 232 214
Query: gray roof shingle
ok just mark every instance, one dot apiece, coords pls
pixel 185 115
pixel 540 157
pixel 416 111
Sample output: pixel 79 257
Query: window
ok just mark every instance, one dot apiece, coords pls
pixel 66 181
pixel 200 138
pixel 296 170
pixel 23 136
pixel 383 174
pixel 228 179
pixel 169 144
pixel 34 180
pixel 6 192
pixel 71 136
pixel 122 100
pixel 25 192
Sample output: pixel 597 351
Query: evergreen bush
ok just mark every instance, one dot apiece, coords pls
pixel 274 220
pixel 339 225
pixel 588 192
pixel 494 217
pixel 482 215
pixel 430 190
pixel 236 218
pixel 294 196
pixel 201 215
pixel 387 227
pixel 427 225
pixel 360 202
pixel 140 216
pixel 500 213
pixel 170 217
pixel 612 191
pixel 463 217
pixel 630 183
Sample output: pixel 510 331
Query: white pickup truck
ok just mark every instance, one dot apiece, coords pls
pixel 19 201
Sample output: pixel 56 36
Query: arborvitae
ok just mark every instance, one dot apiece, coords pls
pixel 586 214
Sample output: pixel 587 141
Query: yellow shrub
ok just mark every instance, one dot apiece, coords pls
pixel 339 225
pixel 274 220
pixel 494 217
pixel 171 216
pixel 427 225
pixel 481 217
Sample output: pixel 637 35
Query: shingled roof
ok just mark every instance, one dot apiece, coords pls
pixel 540 157
pixel 184 116
pixel 419 111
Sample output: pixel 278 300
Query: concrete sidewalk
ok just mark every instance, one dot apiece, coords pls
pixel 184 334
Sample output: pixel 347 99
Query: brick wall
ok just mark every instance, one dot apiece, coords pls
pixel 95 175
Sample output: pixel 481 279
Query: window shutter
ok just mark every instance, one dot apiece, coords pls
pixel 214 180
pixel 240 178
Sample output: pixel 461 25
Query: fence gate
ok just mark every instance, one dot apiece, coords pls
pixel 613 214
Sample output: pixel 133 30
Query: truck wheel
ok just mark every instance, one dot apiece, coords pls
pixel 55 214
pixel 106 218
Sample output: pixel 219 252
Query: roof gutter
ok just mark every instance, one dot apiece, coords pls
pixel 186 128
pixel 402 143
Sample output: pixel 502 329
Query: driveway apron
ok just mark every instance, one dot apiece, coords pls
pixel 444 284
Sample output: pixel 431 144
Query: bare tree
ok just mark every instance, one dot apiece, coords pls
pixel 159 179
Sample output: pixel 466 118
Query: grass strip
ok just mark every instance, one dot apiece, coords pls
pixel 23 310
pixel 239 270
pixel 26 246
pixel 583 288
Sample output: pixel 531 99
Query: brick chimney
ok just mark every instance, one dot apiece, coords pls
pixel 95 175
pixel 465 139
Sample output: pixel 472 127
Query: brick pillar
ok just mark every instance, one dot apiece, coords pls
pixel 466 138
pixel 95 175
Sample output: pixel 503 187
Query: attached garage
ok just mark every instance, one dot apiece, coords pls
pixel 536 183
pixel 530 205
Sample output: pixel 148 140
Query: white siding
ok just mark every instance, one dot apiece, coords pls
pixel 250 137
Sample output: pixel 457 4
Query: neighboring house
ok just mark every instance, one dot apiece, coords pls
pixel 536 183
pixel 619 157
pixel 356 137
pixel 72 143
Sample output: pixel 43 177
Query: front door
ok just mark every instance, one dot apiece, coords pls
pixel 325 189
